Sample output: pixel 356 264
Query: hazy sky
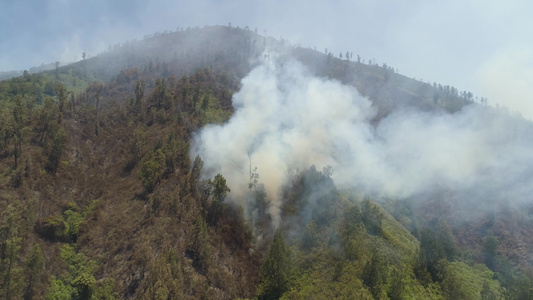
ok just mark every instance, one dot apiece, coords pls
pixel 482 46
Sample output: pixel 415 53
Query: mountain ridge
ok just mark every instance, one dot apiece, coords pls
pixel 99 175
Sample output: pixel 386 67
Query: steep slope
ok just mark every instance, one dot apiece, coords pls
pixel 234 52
pixel 100 197
pixel 94 202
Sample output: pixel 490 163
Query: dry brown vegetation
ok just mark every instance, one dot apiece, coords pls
pixel 107 202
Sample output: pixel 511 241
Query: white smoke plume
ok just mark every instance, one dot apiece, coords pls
pixel 286 120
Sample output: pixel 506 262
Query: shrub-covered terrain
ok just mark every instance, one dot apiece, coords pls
pixel 100 197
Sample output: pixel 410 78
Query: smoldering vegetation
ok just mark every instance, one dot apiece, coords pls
pixel 287 119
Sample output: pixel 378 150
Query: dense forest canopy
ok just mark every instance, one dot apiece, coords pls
pixel 217 163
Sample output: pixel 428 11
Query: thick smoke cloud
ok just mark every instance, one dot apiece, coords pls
pixel 286 120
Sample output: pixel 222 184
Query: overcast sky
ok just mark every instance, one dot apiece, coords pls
pixel 477 45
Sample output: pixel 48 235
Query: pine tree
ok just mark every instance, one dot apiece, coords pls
pixel 150 168
pixel 375 275
pixel 200 246
pixel 35 265
pixel 18 126
pixel 276 269
pixel 10 243
pixel 55 151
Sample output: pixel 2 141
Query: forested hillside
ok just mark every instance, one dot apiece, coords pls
pixel 103 195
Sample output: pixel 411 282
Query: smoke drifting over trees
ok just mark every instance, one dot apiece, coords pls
pixel 198 166
pixel 286 120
